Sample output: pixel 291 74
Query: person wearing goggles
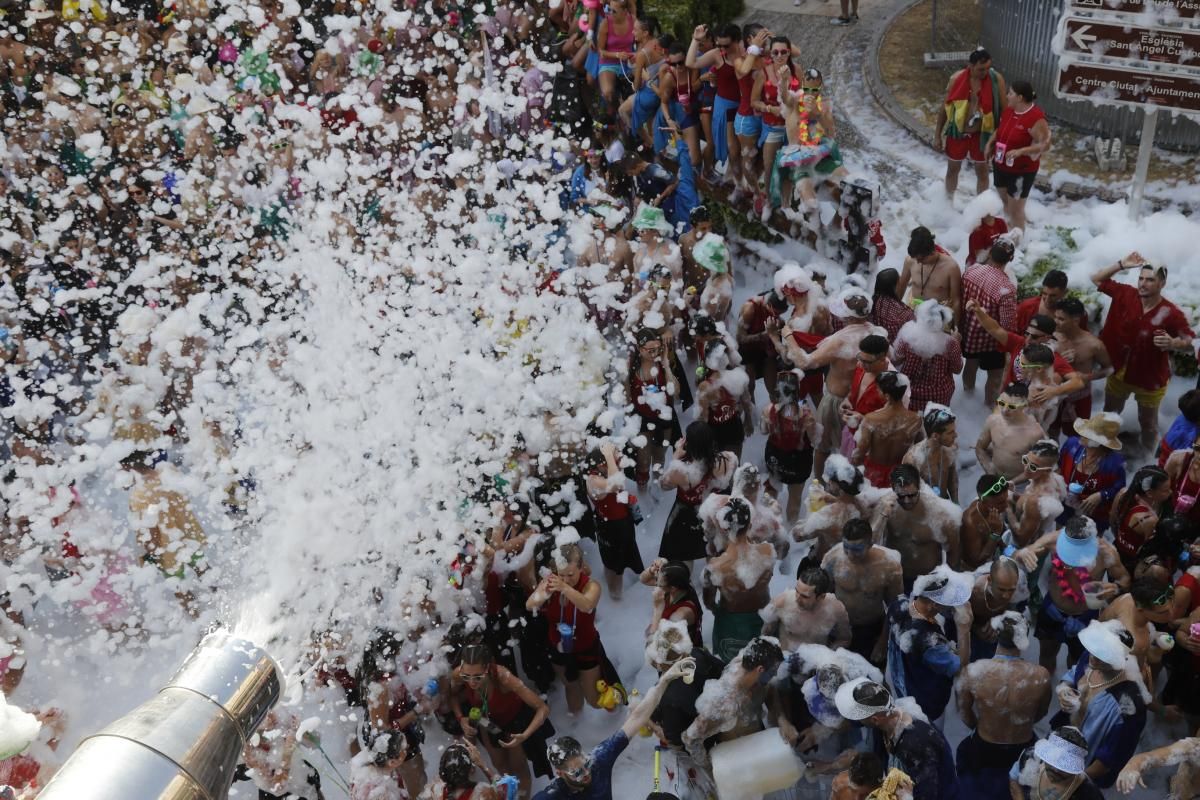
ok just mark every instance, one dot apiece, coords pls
pixel 1008 433
pixel 983 525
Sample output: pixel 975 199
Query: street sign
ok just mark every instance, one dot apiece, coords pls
pixel 1138 44
pixel 1166 9
pixel 1129 87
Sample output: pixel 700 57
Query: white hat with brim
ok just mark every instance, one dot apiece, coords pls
pixel 1077 552
pixel 850 708
pixel 1099 640
pixel 1062 755
pixel 954 594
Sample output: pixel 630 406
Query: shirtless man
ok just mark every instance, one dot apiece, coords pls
pixel 732 706
pixel 1033 514
pixel 741 577
pixel 919 524
pixel 839 352
pixel 936 457
pixel 1034 367
pixel 1148 602
pixel 1008 433
pixel 1000 698
pixel 808 613
pixel 931 273
pixel 886 435
pixel 982 531
pixel 866 578
pixel 656 305
pixel 1077 557
pixel 992 597
pixel 1185 754
pixel 1085 353
pixel 766 519
pixel 840 496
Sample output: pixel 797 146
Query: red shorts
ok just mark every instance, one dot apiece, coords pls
pixel 878 475
pixel 1071 410
pixel 965 148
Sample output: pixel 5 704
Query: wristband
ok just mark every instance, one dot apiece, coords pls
pixel 754 50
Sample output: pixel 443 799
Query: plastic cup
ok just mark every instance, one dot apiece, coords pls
pixel 1091 595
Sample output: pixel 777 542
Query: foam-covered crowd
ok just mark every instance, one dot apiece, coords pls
pixel 428 306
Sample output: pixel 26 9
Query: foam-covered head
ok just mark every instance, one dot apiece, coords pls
pixel 933 315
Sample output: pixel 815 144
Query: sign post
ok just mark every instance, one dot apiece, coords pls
pixel 1138 193
pixel 1130 52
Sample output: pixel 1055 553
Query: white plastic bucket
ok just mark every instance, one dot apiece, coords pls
pixel 754 765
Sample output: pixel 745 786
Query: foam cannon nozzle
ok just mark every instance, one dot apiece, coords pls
pixel 185 742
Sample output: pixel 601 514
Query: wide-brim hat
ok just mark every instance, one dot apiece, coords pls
pixel 652 218
pixel 1099 640
pixel 1077 551
pixel 850 708
pixel 1102 429
pixel 956 591
pixel 1064 756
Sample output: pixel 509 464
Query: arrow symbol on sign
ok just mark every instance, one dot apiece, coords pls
pixel 1082 39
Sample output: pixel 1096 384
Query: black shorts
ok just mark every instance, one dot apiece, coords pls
pixel 577 661
pixel 1017 184
pixel 988 360
pixel 729 435
pixel 789 466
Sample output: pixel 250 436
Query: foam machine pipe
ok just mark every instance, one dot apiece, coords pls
pixel 185 742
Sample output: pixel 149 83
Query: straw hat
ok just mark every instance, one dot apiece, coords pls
pixel 1103 429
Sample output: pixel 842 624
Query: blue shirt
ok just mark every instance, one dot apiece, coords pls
pixel 603 758
pixel 1112 725
pixel 925 670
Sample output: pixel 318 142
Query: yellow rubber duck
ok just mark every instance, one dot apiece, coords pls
pixel 611 696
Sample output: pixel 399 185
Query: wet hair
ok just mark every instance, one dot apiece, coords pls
pixel 572 554
pixel 1146 589
pixel 476 654
pixel 872 695
pixel 886 282
pixel 777 301
pixel 815 577
pixel 737 514
pixel 1147 478
pixel 383 647
pixel 891 386
pixel 562 750
pixel 699 214
pixel 1038 354
pixel 1013 628
pixel 874 345
pixel 677 49
pixel 1055 279
pixel 704 325
pixel 763 653
pixel 905 475
pixel 1017 389
pixel 749 32
pixel 1189 405
pixel 936 420
pixel 1174 533
pixel 979 56
pixel 856 530
pixel 1071 306
pixel 985 482
pixel 700 445
pixel 1048 447
pixel 1069 733
pixel 665 41
pixel 866 771
pixel 921 243
pixel 851 488
pixel 651 25
pixel 731 32
pixel 1043 323
pixel 456 769
pixel 677 575
pixel 1024 89
pixel 1002 252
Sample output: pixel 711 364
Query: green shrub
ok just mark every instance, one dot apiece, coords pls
pixel 680 17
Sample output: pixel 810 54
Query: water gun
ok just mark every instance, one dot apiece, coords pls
pixel 507 786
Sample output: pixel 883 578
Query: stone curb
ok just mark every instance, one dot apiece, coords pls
pixel 886 100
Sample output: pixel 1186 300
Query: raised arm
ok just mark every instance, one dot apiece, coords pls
pixel 994 328
pixel 1132 261
pixel 639 715
pixel 695 61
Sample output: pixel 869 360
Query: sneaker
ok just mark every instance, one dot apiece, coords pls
pixel 841 21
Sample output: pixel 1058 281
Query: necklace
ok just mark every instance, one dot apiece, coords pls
pixel 1103 684
pixel 987 595
pixel 1040 794
pixel 987 526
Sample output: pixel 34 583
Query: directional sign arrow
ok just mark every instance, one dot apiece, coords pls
pixel 1082 38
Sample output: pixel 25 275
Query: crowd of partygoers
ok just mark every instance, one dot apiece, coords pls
pixel 158 154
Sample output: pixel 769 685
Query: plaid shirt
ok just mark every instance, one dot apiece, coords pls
pixel 891 314
pixel 992 289
pixel 932 379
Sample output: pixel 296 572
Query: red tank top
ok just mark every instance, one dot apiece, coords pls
pixel 770 96
pixel 1014 133
pixel 640 388
pixel 500 706
pixel 694 628
pixel 1128 543
pixel 725 409
pixel 864 401
pixel 683 86
pixel 1187 493
pixel 694 495
pixel 559 609
pixel 727 82
pixel 787 431
pixel 746 89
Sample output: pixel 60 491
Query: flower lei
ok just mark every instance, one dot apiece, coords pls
pixel 1060 574
pixel 802 128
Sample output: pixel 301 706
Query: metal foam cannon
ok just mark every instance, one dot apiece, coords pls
pixel 185 742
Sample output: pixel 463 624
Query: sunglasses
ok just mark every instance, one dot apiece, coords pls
pixel 1034 333
pixel 1024 365
pixel 996 488
pixel 1028 462
pixel 811 90
pixel 579 773
pixel 678 63
pixel 1162 599
pixel 780 52
pixel 473 678
pixel 1007 404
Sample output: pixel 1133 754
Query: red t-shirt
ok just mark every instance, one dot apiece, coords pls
pixel 1016 132
pixel 1128 333
pixel 1026 310
pixel 984 236
pixel 1016 343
